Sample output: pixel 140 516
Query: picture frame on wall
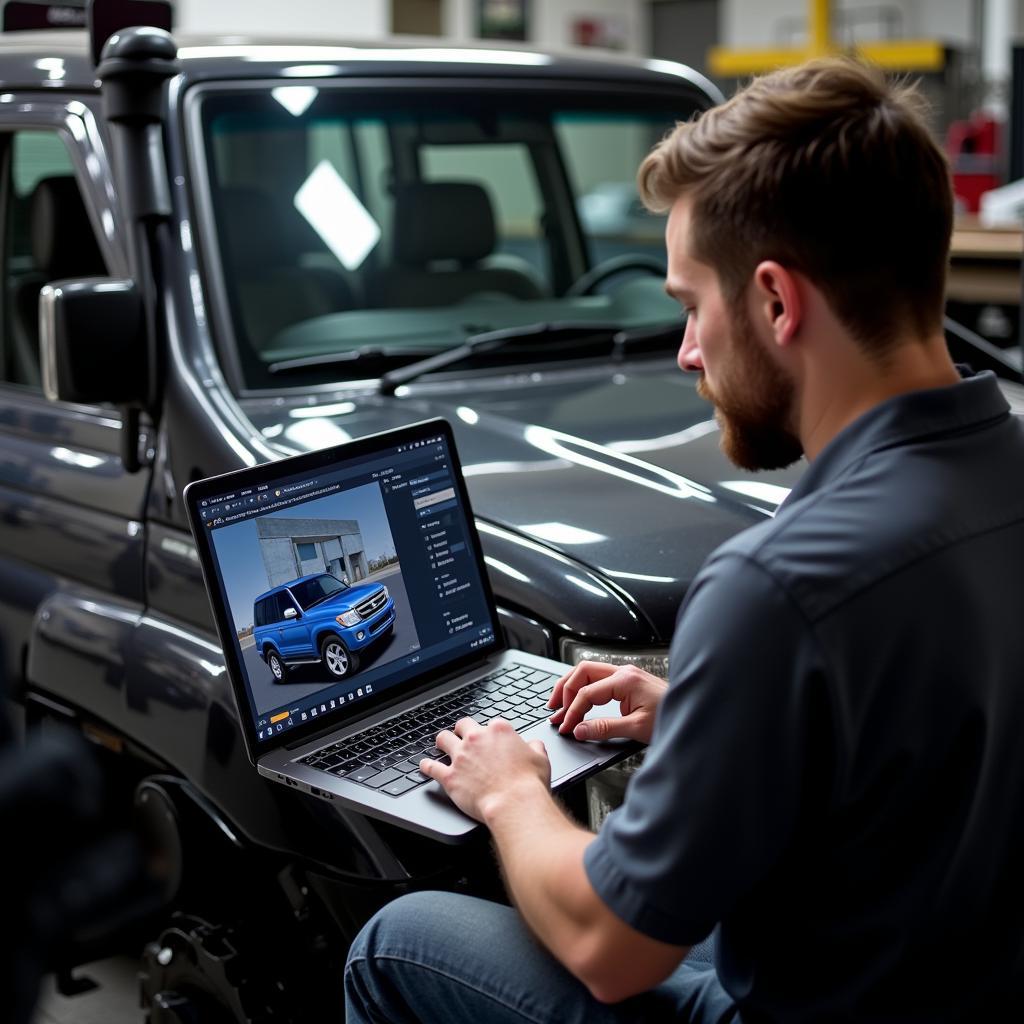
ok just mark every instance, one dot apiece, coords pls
pixel 502 19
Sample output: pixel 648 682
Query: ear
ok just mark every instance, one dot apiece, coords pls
pixel 778 300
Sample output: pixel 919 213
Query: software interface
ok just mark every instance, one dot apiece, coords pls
pixel 347 581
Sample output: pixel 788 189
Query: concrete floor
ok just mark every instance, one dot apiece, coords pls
pixel 116 1001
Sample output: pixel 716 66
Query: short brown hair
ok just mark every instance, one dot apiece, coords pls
pixel 831 170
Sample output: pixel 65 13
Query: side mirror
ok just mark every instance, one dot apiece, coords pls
pixel 92 341
pixel 93 348
pixel 290 613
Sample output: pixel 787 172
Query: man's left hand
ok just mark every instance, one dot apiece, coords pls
pixel 487 762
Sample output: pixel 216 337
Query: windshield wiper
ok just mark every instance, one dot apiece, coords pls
pixel 490 341
pixel 651 336
pixel 352 355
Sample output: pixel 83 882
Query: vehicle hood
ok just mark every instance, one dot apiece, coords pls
pixel 614 482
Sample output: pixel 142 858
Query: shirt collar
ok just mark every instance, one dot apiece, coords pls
pixel 902 420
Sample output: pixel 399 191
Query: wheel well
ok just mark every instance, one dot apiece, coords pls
pixel 329 634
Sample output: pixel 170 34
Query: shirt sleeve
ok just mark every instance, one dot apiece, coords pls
pixel 720 792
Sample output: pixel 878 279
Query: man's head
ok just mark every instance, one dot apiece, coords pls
pixel 824 173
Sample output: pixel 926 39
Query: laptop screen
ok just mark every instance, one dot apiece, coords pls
pixel 339 576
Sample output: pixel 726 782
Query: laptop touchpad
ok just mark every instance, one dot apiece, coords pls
pixel 566 755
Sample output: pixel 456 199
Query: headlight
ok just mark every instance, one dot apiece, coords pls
pixel 650 659
pixel 348 618
pixel 386 594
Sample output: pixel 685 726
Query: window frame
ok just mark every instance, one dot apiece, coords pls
pixel 74 123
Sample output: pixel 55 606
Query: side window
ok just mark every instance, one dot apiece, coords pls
pixel 47 236
pixel 259 615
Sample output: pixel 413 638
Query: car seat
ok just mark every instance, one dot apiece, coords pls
pixel 443 249
pixel 63 245
pixel 268 252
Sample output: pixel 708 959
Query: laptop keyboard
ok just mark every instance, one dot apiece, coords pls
pixel 386 756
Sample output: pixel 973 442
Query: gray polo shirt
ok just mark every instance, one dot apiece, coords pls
pixel 837 770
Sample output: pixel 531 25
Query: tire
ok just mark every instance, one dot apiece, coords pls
pixel 277 667
pixel 337 658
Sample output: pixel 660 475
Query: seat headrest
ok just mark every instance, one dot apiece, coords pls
pixel 63 241
pixel 442 220
pixel 258 233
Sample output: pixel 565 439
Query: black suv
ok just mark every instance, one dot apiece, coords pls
pixel 227 253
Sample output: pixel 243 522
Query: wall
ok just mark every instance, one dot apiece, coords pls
pixel 742 22
pixel 756 23
pixel 301 19
pixel 551 21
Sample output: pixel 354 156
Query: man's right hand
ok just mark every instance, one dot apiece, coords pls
pixel 592 683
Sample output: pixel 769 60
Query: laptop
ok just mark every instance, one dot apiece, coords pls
pixel 357 621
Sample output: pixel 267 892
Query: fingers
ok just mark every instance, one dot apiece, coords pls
pixel 586 697
pixel 449 740
pixel 555 699
pixel 460 730
pixel 436 770
pixel 583 673
pixel 629 727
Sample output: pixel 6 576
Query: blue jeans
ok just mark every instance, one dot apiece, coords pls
pixel 440 957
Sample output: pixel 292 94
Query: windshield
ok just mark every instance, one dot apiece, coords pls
pixel 311 592
pixel 358 232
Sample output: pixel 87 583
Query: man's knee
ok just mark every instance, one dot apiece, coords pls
pixel 387 938
pixel 414 947
pixel 406 924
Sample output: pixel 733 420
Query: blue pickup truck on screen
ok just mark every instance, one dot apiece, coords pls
pixel 320 619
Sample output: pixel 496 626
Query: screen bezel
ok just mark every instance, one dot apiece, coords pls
pixel 267 473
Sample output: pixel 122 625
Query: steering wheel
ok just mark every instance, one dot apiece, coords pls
pixel 586 283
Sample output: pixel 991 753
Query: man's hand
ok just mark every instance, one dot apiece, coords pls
pixel 488 762
pixel 592 683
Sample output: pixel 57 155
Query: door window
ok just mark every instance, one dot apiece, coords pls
pixel 47 237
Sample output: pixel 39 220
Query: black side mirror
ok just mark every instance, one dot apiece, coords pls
pixel 93 348
pixel 92 341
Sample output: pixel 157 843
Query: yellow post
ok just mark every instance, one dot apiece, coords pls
pixel 819 29
pixel 897 54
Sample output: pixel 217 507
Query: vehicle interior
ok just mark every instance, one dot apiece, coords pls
pixel 47 236
pixel 393 231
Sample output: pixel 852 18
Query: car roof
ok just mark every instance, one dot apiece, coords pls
pixel 59 59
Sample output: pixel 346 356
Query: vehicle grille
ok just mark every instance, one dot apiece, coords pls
pixel 374 604
pixel 378 626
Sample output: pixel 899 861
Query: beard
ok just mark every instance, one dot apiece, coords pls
pixel 753 404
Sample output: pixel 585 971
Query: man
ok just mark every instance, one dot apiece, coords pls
pixel 833 775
